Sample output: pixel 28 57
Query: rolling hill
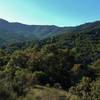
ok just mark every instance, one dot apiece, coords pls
pixel 17 32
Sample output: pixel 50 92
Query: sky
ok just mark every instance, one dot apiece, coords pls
pixel 50 12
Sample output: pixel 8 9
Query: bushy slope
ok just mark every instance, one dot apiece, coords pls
pixel 63 67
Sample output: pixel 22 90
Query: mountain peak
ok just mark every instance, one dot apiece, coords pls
pixel 3 21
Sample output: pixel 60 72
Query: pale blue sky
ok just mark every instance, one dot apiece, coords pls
pixel 50 12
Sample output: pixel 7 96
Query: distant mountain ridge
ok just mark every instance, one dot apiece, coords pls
pixel 39 31
pixel 14 31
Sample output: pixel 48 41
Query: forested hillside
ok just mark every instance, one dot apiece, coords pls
pixel 61 67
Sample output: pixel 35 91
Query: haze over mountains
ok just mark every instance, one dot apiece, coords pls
pixel 16 32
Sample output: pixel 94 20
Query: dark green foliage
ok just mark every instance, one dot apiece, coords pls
pixel 4 58
pixel 5 94
pixel 39 78
pixel 86 89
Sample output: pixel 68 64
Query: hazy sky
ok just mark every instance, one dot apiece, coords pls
pixel 50 12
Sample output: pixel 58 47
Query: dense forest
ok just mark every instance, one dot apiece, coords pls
pixel 61 67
